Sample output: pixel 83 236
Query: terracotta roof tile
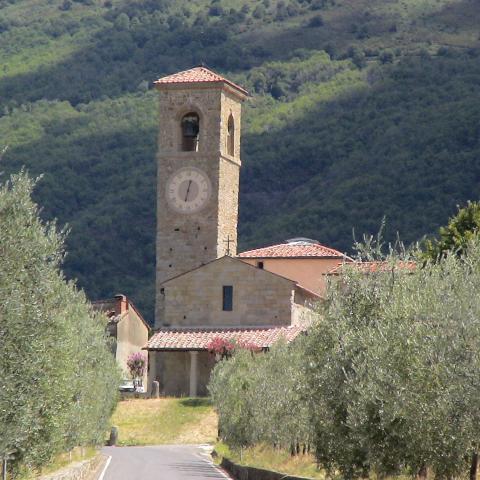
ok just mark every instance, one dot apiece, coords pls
pixel 199 339
pixel 372 267
pixel 197 75
pixel 295 249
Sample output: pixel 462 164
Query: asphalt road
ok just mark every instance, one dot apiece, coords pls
pixel 163 462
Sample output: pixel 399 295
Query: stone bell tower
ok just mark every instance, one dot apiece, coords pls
pixel 198 173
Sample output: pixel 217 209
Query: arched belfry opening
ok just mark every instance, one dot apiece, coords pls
pixel 231 136
pixel 190 132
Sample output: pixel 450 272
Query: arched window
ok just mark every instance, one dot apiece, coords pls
pixel 190 132
pixel 231 136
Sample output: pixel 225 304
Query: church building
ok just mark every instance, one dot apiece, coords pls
pixel 204 290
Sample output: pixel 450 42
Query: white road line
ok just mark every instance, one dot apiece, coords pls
pixel 207 458
pixel 222 472
pixel 109 459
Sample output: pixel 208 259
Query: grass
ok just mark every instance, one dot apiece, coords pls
pixel 59 462
pixel 269 458
pixel 165 421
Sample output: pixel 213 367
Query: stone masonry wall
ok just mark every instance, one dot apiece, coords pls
pixel 86 470
pixel 260 298
pixel 185 241
pixel 229 173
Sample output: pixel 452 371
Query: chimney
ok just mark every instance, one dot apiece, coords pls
pixel 121 304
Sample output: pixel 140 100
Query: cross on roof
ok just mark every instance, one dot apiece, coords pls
pixel 228 241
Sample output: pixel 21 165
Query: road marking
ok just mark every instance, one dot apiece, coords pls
pixel 109 459
pixel 222 472
pixel 207 450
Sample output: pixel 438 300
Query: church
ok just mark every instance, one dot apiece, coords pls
pixel 205 290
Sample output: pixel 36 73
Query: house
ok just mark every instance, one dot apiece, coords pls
pixel 228 299
pixel 204 291
pixel 301 259
pixel 127 328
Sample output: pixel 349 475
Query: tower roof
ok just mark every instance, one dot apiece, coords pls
pixel 197 75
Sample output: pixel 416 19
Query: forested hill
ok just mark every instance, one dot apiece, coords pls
pixel 360 109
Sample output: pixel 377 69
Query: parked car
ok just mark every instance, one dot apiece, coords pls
pixel 127 386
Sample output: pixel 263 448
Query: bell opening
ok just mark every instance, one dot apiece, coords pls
pixel 190 132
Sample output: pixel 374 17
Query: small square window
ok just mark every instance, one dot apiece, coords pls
pixel 227 298
pixel 260 265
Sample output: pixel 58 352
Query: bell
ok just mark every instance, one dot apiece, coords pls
pixel 190 127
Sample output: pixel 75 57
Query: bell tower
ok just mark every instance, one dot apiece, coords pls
pixel 198 165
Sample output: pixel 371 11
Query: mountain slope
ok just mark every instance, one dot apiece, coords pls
pixel 372 110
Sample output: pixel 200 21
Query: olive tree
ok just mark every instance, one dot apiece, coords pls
pixel 261 397
pixel 280 412
pixel 231 390
pixel 393 364
pixel 58 380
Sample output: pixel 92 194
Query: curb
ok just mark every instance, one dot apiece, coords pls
pixel 83 470
pixel 241 472
pixel 101 465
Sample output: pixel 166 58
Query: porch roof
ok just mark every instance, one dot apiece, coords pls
pixel 184 339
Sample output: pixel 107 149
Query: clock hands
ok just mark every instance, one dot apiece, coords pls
pixel 188 189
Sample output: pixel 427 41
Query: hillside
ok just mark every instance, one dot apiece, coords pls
pixel 372 110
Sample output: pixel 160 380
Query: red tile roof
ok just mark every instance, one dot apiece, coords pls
pixel 372 267
pixel 197 75
pixel 199 339
pixel 293 249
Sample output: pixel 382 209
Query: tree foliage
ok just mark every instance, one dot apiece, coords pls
pixel 386 381
pixel 58 379
pixel 392 369
pixel 260 398
pixel 455 237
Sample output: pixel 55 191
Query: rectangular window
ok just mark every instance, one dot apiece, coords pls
pixel 227 298
pixel 260 265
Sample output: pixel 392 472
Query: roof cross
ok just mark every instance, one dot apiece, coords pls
pixel 228 241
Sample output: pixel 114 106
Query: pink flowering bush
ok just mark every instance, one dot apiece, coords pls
pixel 221 346
pixel 225 348
pixel 136 365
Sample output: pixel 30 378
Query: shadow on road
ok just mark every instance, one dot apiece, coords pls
pixel 196 469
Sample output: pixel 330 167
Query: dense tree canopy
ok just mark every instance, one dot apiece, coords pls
pixel 58 377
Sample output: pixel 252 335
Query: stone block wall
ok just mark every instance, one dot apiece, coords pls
pixel 87 470
pixel 185 241
pixel 260 298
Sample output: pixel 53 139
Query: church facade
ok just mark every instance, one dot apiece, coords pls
pixel 204 291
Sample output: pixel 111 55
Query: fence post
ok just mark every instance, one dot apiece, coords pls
pixel 5 458
pixel 155 389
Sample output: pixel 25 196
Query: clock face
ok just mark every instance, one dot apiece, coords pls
pixel 188 190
